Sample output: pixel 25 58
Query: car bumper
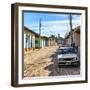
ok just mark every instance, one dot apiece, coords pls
pixel 66 63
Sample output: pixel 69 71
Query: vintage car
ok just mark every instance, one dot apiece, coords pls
pixel 67 56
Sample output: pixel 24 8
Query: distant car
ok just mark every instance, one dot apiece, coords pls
pixel 67 56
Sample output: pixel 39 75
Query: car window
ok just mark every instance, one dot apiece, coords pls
pixel 67 51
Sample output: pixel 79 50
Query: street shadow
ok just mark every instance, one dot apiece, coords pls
pixel 53 68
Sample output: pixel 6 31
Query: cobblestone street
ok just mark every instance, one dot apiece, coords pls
pixel 43 62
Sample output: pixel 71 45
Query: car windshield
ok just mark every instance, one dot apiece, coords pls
pixel 67 50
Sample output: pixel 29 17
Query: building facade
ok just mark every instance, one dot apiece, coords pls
pixel 32 40
pixel 29 39
pixel 73 37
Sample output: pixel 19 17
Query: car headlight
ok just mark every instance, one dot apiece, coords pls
pixel 75 58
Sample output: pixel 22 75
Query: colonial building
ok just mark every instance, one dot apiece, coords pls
pixel 52 41
pixel 33 40
pixel 73 37
pixel 68 40
pixel 76 36
pixel 60 40
pixel 29 39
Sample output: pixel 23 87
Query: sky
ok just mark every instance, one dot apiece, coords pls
pixel 51 23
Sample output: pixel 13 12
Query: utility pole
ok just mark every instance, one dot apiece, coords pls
pixel 39 31
pixel 40 26
pixel 70 19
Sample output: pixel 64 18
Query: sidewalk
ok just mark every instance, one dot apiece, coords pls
pixel 36 61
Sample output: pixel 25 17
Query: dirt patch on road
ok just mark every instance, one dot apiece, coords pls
pixel 36 61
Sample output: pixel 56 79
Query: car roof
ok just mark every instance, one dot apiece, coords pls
pixel 65 47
